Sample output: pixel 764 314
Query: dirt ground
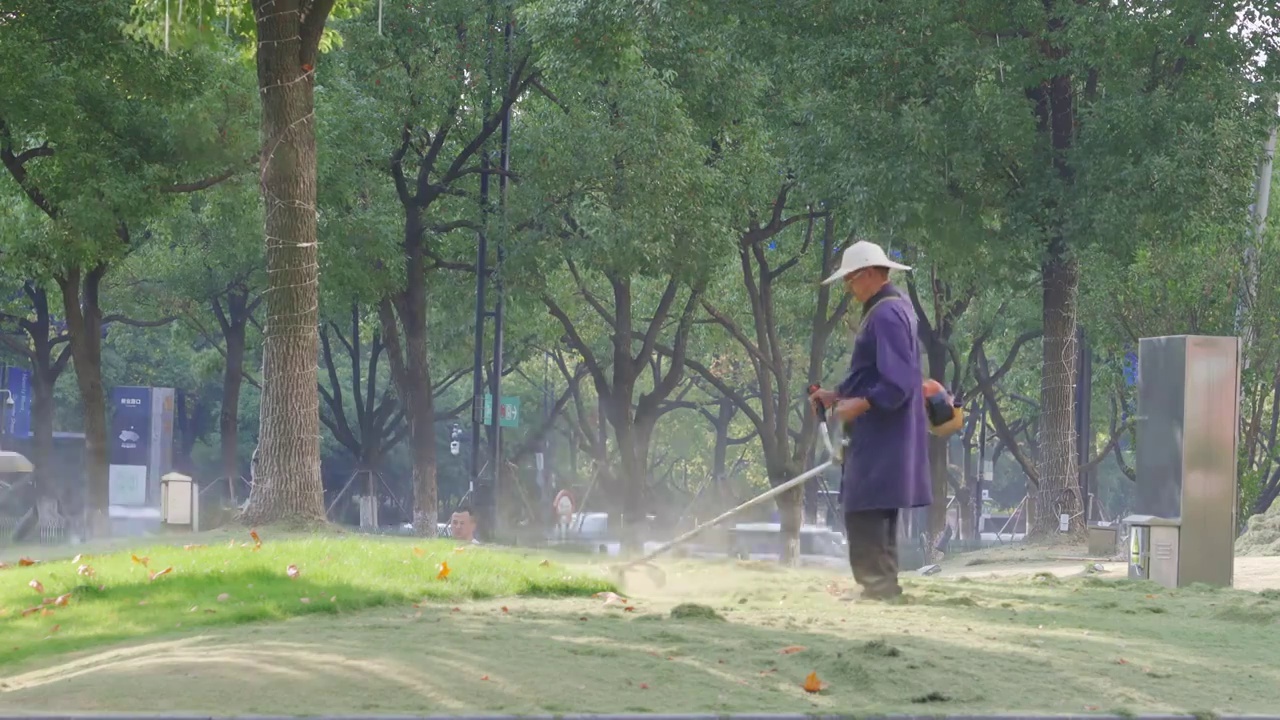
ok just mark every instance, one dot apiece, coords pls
pixel 983 638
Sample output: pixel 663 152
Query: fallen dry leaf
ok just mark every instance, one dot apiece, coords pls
pixel 292 572
pixel 461 548
pixel 504 609
pixel 457 609
pixel 36 585
pixel 813 685
pixel 85 570
pixel 142 602
pixel 162 573
pixel 1122 661
pixel 191 547
pixel 224 597
pixel 194 608
pixel 26 562
pixel 770 671
pixel 419 551
pixel 305 601
pixel 54 629
pixel 4 565
pixel 232 544
pixel 62 600
pixel 141 560
pixel 257 540
pixel 45 612
pixel 333 598
pixel 484 677
pixel 610 598
pixel 629 608
pixel 75 560
pixel 644 686
pixel 443 573
pixel 31 610
pixel 791 650
pixel 545 563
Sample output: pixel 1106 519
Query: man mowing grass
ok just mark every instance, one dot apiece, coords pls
pixel 881 403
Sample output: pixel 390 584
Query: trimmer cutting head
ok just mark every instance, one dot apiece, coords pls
pixel 624 575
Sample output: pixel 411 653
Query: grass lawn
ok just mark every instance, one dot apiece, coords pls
pixel 59 605
pixel 989 644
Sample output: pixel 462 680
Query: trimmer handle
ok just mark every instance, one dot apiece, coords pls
pixel 822 409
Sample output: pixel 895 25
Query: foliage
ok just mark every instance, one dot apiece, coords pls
pixel 649 141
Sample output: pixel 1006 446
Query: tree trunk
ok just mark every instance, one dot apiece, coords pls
pixel 627 493
pixel 1059 489
pixel 422 416
pixel 404 333
pixel 969 500
pixel 287 484
pixel 84 325
pixel 790 520
pixel 229 413
pixel 42 411
pixel 938 471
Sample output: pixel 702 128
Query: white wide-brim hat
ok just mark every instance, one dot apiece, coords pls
pixel 863 254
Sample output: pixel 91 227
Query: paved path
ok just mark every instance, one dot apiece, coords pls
pixel 1252 573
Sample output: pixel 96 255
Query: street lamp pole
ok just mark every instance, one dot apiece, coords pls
pixel 499 316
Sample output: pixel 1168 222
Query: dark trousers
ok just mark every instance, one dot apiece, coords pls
pixel 873 551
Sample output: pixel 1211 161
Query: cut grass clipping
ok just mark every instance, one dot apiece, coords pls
pixel 62 605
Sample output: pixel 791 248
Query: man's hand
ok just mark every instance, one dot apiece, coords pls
pixel 850 408
pixel 822 397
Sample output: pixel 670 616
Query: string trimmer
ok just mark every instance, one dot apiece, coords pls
pixel 659 577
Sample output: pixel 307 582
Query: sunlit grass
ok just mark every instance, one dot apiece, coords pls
pixel 92 600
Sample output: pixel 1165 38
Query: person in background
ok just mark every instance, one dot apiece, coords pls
pixel 462 525
pixel 881 403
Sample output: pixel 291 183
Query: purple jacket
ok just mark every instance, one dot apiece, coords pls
pixel 886 463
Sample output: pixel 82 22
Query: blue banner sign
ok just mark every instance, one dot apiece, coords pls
pixel 17 381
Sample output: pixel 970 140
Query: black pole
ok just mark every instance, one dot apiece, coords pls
pixel 1084 416
pixel 478 490
pixel 978 504
pixel 495 377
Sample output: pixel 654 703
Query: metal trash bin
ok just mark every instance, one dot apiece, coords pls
pixel 1153 549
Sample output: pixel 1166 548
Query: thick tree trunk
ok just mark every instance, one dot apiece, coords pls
pixel 627 494
pixel 724 415
pixel 229 412
pixel 422 416
pixel 1059 490
pixel 790 520
pixel 42 411
pixel 938 472
pixel 287 484
pixel 404 332
pixel 84 325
